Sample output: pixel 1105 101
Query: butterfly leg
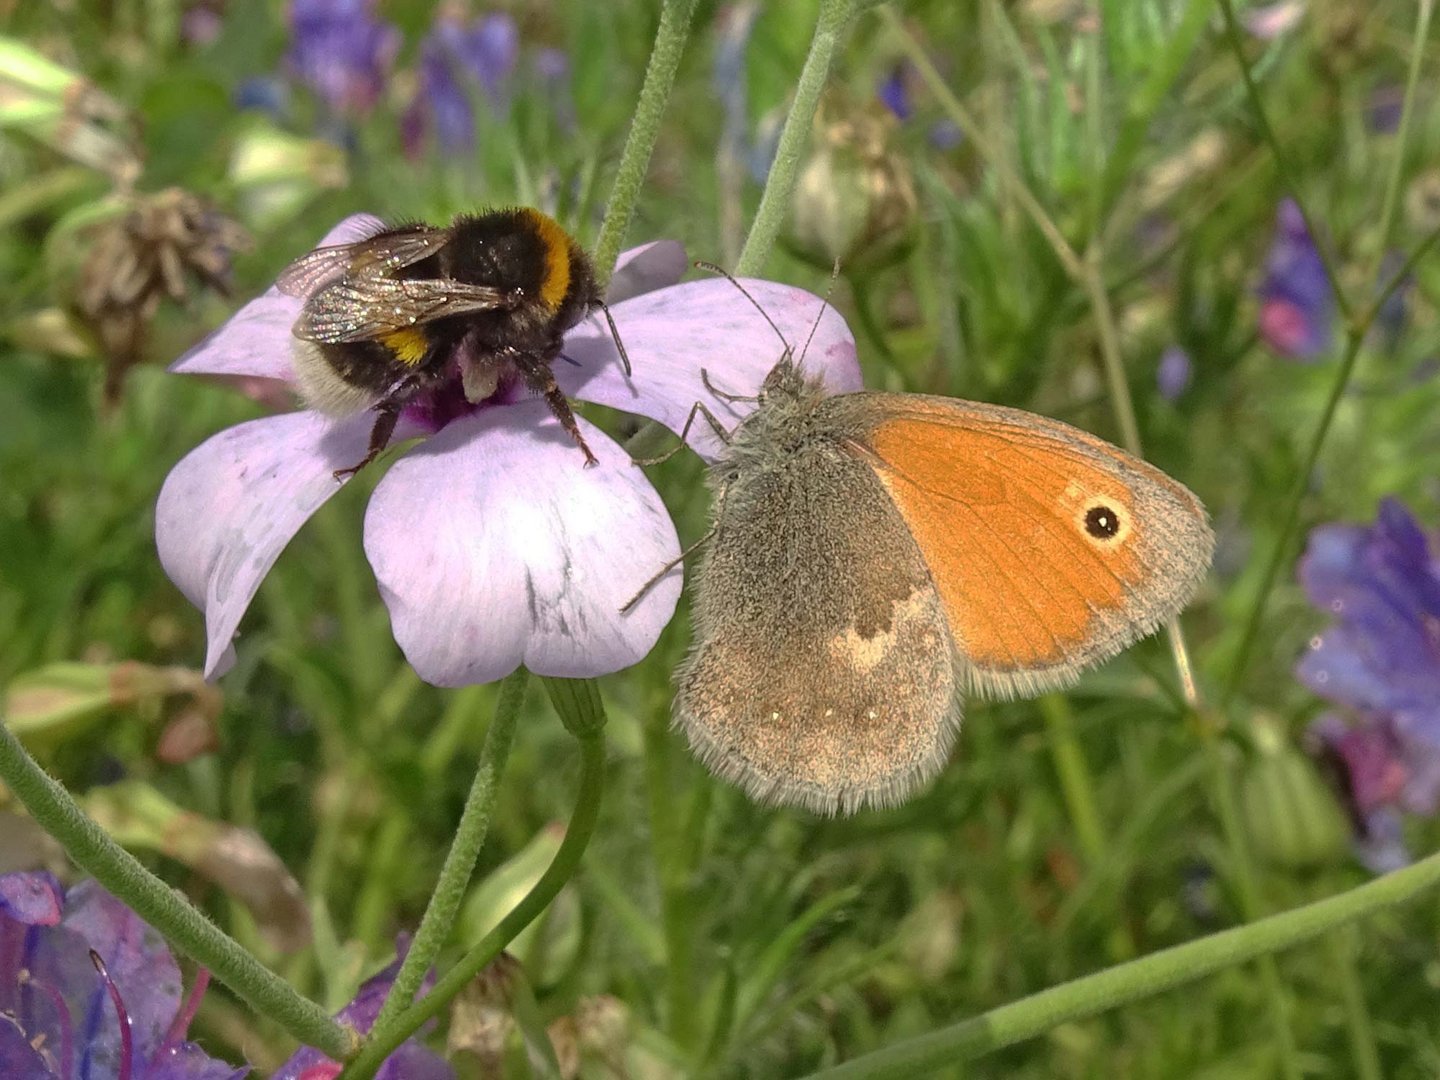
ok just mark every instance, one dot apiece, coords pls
pixel 724 395
pixel 537 375
pixel 697 409
pixel 654 580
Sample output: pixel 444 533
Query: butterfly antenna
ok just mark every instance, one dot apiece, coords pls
pixel 824 303
pixel 710 267
pixel 615 333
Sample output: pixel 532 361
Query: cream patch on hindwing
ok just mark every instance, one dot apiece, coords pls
pixel 1105 521
pixel 862 651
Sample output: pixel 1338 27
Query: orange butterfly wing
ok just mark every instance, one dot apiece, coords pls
pixel 1051 549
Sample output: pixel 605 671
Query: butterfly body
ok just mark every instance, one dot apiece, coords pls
pixel 875 556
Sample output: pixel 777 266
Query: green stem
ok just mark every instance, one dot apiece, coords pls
pixel 383 1042
pixel 1282 160
pixel 984 148
pixel 1150 975
pixel 459 864
pixel 665 846
pixel 830 27
pixel 1227 805
pixel 1076 783
pixel 869 324
pixel 670 39
pixel 1290 518
pixel 1402 138
pixel 91 849
pixel 1357 1014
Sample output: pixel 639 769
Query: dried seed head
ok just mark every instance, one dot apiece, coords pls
pixel 144 254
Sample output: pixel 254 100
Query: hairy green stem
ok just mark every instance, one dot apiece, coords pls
pixel 459 864
pixel 590 723
pixel 834 17
pixel 164 908
pixel 1091 995
pixel 670 39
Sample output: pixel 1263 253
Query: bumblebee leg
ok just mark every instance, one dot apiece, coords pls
pixel 537 375
pixel 387 413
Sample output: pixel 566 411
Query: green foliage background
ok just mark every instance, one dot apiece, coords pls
pixel 737 940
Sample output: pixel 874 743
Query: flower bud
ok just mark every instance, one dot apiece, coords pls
pixel 276 174
pixel 855 198
pixel 1290 814
pixel 66 112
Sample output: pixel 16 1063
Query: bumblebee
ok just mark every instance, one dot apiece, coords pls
pixel 416 309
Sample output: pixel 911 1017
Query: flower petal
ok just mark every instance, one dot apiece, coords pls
pixel 31 898
pixel 411 1061
pixel 644 269
pixel 674 334
pixel 138 962
pixel 232 504
pixel 18 1059
pixel 495 546
pixel 256 339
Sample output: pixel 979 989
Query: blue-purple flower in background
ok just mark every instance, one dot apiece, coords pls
pixel 1173 375
pixel 461 64
pixel 895 91
pixel 1380 661
pixel 88 991
pixel 1297 307
pixel 341 51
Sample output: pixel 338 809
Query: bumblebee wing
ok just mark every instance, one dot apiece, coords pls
pixel 364 308
pixel 378 256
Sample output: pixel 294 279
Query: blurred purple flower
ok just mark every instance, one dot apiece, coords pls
pixel 410 1062
pixel 1380 658
pixel 1384 108
pixel 456 61
pixel 894 91
pixel 552 73
pixel 1269 21
pixel 1297 308
pixel 263 93
pixel 728 75
pixel 492 545
pixel 1390 319
pixel 1174 373
pixel 340 50
pixel 88 990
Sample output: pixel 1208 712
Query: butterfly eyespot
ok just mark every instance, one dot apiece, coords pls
pixel 1103 522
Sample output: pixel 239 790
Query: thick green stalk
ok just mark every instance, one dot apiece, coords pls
pixel 835 16
pixel 459 864
pixel 579 706
pixel 162 907
pixel 1150 975
pixel 670 39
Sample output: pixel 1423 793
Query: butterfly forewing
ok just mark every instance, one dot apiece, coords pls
pixel 1050 548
